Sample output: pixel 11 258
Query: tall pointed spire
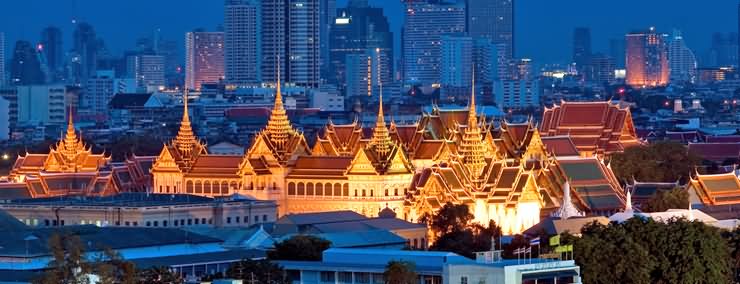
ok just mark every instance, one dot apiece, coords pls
pixel 278 127
pixel 472 147
pixel 567 209
pixel 381 138
pixel 628 205
pixel 70 145
pixel 185 140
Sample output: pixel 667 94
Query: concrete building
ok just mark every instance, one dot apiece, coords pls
pixel 582 48
pixel 367 266
pixel 363 74
pixel 493 20
pixel 681 60
pixel 424 25
pixel 326 100
pixel 52 49
pixel 2 59
pixel 291 36
pixel 99 90
pixel 457 61
pixel 517 93
pixel 147 69
pixel 143 210
pixel 647 59
pixel 4 119
pixel 204 58
pixel 601 69
pixel 241 42
pixel 42 105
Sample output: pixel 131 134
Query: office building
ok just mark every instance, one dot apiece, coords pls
pixel 148 70
pixel 723 50
pixel 53 51
pixel 517 93
pixel 327 14
pixel 617 50
pixel 457 61
pixel 99 90
pixel 681 60
pixel 204 58
pixel 290 36
pixel 25 68
pixel 493 19
pixel 582 48
pixel 601 69
pixel 647 59
pixel 42 105
pixel 84 55
pixel 2 59
pixel 241 41
pixel 357 29
pixel 362 73
pixel 425 24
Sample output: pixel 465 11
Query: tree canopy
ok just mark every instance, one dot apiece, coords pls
pixel 300 247
pixel 663 200
pixel 454 230
pixel 658 162
pixel 400 272
pixel 262 271
pixel 646 251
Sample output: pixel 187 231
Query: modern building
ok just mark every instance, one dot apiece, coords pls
pixel 291 38
pixel 99 90
pixel 722 50
pixel 582 48
pixel 53 50
pixel 487 56
pixel 356 30
pixel 457 61
pixel 25 67
pixel 368 266
pixel 493 20
pixel 647 59
pixel 2 60
pixel 204 58
pixel 327 14
pixel 143 210
pixel 84 55
pixel 364 74
pixel 42 105
pixel 617 51
pixel 425 23
pixel 242 56
pixel 4 118
pixel 601 69
pixel 517 93
pixel 681 60
pixel 147 69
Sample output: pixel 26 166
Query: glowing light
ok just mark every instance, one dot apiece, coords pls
pixel 6 157
pixel 341 21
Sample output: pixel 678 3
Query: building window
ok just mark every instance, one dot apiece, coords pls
pixel 196 221
pixel 136 224
pixel 327 276
pixel 190 222
pixel 148 224
pixel 203 221
pixel 46 222
pixel 156 223
pixel 362 277
pixel 264 218
pixel 228 220
pixel 127 223
pixel 345 277
pixel 386 192
pixel 256 219
pixel 464 280
pixel 236 219
pixel 246 219
pixel 175 223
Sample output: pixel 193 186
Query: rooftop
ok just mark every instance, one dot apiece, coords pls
pixel 129 199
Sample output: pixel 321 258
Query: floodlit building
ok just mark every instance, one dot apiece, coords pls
pixel 682 60
pixel 204 58
pixel 241 41
pixel 647 59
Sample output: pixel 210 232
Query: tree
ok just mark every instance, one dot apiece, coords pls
pixel 667 199
pixel 659 162
pixel 111 268
pixel 68 264
pixel 400 272
pixel 454 230
pixel 159 275
pixel 262 271
pixel 646 251
pixel 300 247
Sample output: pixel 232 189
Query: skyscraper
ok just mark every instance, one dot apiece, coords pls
pixel 617 51
pixel 425 24
pixel 492 19
pixel 357 29
pixel 204 60
pixel 581 48
pixel 647 59
pixel 457 61
pixel 723 50
pixel 148 70
pixel 51 46
pixel 242 42
pixel 681 60
pixel 290 35
pixel 327 14
pixel 601 69
pixel 25 68
pixel 84 53
pixel 99 89
pixel 2 59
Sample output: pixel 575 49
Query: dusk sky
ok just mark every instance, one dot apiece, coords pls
pixel 543 28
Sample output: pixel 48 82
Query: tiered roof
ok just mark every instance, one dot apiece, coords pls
pixel 716 189
pixel 594 127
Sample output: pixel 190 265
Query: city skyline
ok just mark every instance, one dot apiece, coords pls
pixel 697 23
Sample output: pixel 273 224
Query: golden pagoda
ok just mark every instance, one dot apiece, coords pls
pixel 472 148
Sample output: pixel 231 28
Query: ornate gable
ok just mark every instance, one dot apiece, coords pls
pixel 362 164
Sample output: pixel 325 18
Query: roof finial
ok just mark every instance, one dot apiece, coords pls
pixel 628 205
pixel 381 139
pixel 278 127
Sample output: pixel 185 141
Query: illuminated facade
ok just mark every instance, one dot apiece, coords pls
pixel 204 58
pixel 70 168
pixel 647 59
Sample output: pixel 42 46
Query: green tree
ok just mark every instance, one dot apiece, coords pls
pixel 663 200
pixel 400 272
pixel 646 251
pixel 454 230
pixel 300 247
pixel 68 264
pixel 262 271
pixel 159 275
pixel 111 268
pixel 659 162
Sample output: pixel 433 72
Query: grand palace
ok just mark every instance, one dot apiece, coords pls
pixel 511 173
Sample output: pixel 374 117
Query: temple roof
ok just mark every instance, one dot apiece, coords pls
pixel 717 189
pixel 717 152
pixel 560 146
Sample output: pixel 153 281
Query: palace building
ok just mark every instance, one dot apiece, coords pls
pixel 509 174
pixel 71 168
pixel 598 128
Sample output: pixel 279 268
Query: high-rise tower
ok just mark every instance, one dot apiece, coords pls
pixel 647 59
pixel 493 19
pixel 242 42
pixel 204 58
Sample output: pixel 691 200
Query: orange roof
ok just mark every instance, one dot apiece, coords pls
pixel 221 165
pixel 560 145
pixel 321 167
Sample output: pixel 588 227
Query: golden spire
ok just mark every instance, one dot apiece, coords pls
pixel 472 147
pixel 278 127
pixel 185 140
pixel 70 146
pixel 381 138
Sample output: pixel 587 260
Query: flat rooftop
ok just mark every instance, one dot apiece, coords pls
pixel 131 199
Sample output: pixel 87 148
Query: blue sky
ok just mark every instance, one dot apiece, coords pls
pixel 543 27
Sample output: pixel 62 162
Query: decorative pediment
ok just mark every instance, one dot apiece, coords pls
pixel 531 192
pixel 398 163
pixel 165 161
pixel 362 164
